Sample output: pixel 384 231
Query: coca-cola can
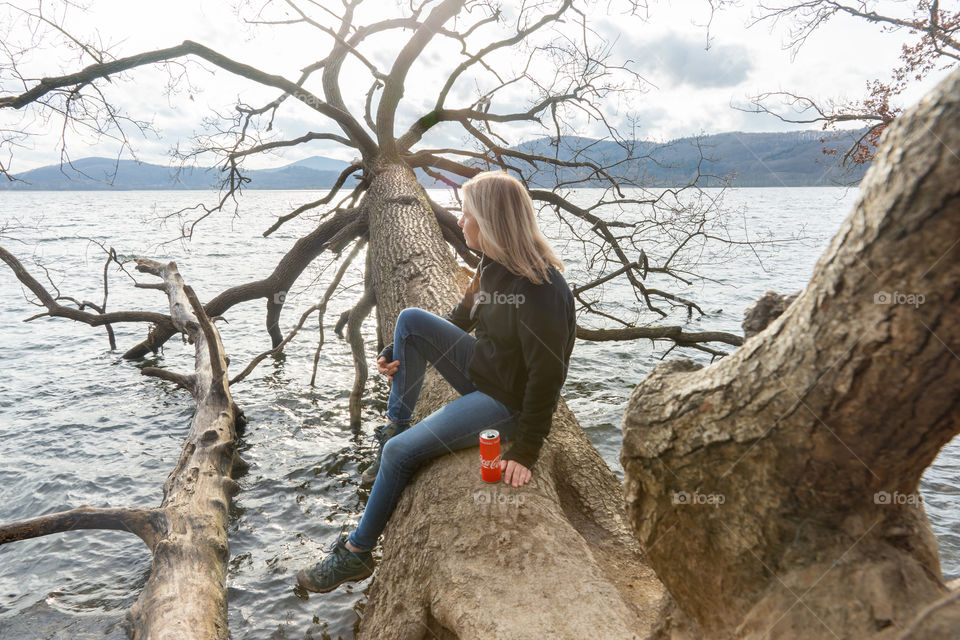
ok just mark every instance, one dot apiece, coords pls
pixel 490 455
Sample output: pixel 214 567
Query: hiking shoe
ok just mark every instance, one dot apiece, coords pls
pixel 382 434
pixel 341 565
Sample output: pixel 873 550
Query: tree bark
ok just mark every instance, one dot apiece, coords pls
pixel 775 491
pixel 185 594
pixel 465 559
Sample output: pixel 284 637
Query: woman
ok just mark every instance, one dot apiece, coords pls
pixel 509 376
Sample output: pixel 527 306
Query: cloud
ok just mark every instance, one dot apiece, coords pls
pixel 677 59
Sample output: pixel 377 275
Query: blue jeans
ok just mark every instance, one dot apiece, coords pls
pixel 421 337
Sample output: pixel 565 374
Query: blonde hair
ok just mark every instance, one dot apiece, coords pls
pixel 509 233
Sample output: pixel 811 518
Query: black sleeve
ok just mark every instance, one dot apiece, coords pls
pixel 460 314
pixel 386 352
pixel 543 332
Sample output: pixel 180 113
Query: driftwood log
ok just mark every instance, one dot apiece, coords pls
pixel 775 491
pixel 185 595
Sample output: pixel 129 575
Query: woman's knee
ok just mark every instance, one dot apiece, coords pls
pixel 396 455
pixel 411 314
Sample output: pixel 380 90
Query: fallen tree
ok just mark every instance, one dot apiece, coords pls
pixel 185 594
pixel 775 491
pixel 566 69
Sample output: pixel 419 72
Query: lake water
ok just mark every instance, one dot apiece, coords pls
pixel 79 425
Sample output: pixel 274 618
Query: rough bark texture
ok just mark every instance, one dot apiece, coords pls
pixel 185 594
pixel 775 491
pixel 465 559
pixel 411 266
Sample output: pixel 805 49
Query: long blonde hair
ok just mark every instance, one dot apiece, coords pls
pixel 509 233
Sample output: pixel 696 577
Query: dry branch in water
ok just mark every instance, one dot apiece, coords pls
pixel 187 533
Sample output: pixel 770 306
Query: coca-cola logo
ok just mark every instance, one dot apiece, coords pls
pixel 490 464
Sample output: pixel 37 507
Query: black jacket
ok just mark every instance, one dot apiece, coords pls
pixel 525 334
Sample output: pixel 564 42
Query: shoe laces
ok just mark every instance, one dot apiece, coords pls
pixel 326 568
pixel 378 435
pixel 333 547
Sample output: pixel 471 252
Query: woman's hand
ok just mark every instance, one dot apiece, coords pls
pixel 387 368
pixel 515 473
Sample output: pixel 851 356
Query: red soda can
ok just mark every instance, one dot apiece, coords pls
pixel 490 455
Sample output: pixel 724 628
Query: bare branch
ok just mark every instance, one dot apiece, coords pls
pixel 320 306
pixel 54 309
pixel 103 70
pixel 519 36
pixel 188 382
pixel 937 47
pixel 394 83
pixel 357 315
pixel 346 173
pixel 141 522
pixel 308 137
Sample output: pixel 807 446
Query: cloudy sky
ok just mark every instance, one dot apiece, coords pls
pixel 687 86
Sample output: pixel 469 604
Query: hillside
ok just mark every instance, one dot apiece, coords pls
pixel 789 159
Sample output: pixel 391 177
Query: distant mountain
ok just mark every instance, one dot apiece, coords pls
pixel 319 163
pixel 790 159
pixel 108 173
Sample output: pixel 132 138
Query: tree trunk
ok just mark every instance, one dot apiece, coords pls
pixel 776 491
pixel 185 594
pixel 462 558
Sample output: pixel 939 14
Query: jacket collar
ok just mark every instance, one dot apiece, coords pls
pixel 486 262
pixel 494 269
